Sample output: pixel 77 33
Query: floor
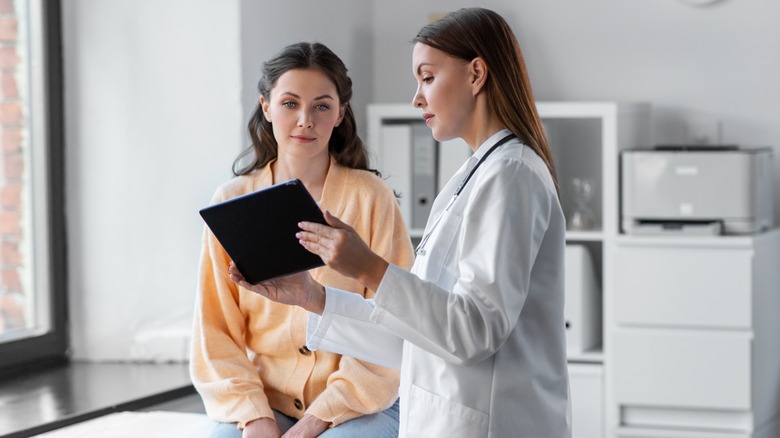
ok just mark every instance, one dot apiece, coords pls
pixel 134 424
pixel 40 401
pixel 188 403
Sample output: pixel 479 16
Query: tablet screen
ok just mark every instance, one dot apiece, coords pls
pixel 258 230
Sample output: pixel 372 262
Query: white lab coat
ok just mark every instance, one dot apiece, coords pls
pixel 477 327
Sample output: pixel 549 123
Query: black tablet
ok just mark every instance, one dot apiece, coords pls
pixel 258 230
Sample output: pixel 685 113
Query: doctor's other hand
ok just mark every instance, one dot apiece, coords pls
pixel 342 249
pixel 296 289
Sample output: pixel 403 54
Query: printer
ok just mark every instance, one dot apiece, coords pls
pixel 695 189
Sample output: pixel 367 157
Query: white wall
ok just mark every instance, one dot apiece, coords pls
pixel 157 99
pixel 158 94
pixel 697 66
pixel 153 121
pixel 342 25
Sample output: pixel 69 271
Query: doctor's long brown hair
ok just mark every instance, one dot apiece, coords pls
pixel 476 32
pixel 344 146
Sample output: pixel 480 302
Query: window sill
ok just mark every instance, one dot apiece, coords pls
pixel 47 399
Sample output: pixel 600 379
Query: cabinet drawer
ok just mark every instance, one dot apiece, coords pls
pixel 682 369
pixel 586 382
pixel 630 432
pixel 683 287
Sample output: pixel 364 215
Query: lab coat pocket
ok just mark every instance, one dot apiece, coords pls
pixel 432 416
pixel 439 253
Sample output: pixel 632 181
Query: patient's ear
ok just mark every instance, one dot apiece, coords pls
pixel 265 106
pixel 342 111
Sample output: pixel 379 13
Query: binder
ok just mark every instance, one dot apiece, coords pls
pixel 424 162
pixel 582 306
pixel 395 159
pixel 416 166
pixel 452 154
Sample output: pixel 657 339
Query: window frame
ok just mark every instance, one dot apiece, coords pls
pixel 51 346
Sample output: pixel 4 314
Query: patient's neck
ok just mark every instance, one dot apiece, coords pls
pixel 312 172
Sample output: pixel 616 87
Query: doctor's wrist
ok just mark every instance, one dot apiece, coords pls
pixel 374 271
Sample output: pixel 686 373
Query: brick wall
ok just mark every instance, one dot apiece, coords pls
pixel 12 169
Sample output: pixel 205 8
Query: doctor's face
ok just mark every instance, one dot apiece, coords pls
pixel 443 92
pixel 303 109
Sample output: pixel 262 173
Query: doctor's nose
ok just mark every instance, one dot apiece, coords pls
pixel 418 100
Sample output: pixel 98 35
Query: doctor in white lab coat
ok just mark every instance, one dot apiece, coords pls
pixel 477 326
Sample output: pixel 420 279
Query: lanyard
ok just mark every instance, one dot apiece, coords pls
pixel 421 247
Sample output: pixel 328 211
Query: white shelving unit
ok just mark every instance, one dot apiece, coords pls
pixel 586 138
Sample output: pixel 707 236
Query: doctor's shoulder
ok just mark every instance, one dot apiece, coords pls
pixel 519 161
pixel 518 182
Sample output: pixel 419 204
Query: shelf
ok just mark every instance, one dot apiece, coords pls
pixel 720 241
pixel 584 236
pixel 590 356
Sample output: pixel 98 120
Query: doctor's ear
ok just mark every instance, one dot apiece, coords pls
pixel 478 73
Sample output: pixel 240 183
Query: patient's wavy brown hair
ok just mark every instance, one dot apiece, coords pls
pixel 345 145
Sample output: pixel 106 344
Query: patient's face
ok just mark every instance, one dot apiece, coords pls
pixel 303 109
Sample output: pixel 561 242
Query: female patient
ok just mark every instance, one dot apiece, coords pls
pixel 249 358
pixel 477 327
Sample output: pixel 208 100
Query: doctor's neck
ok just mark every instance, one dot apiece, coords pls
pixel 483 124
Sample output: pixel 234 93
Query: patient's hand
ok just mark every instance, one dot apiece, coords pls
pixel 261 428
pixel 307 427
pixel 296 289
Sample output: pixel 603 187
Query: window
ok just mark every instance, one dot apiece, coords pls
pixel 32 244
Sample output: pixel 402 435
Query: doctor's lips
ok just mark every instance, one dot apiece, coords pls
pixel 427 117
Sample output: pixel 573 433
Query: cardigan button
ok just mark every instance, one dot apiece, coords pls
pixel 304 350
pixel 298 404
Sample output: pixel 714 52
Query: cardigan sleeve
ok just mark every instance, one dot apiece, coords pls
pixel 227 381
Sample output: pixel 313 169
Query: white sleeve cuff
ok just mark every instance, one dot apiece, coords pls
pixel 345 327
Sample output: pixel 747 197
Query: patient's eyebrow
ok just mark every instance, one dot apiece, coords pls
pixel 324 96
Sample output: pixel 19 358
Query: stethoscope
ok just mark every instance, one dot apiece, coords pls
pixel 421 247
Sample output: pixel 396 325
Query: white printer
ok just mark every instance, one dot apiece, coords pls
pixel 696 190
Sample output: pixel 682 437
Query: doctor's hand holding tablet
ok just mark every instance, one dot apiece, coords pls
pixel 477 326
pixel 340 247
